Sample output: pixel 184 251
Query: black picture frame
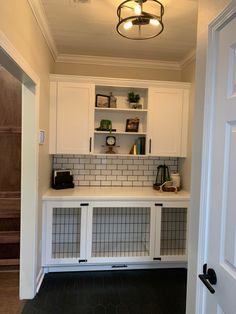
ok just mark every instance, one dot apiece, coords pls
pixel 102 101
pixel 132 125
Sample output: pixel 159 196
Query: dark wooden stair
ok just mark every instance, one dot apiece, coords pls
pixel 10 174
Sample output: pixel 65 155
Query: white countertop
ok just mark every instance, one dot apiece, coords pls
pixel 114 193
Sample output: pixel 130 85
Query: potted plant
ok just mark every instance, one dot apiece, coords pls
pixel 133 99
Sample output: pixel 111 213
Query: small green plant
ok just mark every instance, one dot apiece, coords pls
pixel 133 98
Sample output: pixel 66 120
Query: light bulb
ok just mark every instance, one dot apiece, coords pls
pixel 154 22
pixel 128 25
pixel 138 9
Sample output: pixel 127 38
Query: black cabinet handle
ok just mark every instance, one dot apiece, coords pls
pixel 119 266
pixel 150 146
pixel 90 144
pixel 208 278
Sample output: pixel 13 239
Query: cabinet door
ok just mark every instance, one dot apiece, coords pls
pixel 171 232
pixel 168 121
pixel 74 127
pixel 64 233
pixel 121 232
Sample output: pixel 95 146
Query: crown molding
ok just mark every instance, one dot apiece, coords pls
pixel 188 59
pixel 38 11
pixel 111 61
pixel 113 81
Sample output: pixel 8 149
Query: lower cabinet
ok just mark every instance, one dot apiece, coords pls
pixel 121 232
pixel 114 232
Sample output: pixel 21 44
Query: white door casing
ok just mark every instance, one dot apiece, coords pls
pixel 29 279
pixel 218 198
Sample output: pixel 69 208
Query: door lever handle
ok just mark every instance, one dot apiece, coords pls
pixel 208 278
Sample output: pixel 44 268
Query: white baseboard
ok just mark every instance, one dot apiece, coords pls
pixel 96 267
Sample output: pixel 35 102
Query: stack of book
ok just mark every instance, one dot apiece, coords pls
pixel 138 148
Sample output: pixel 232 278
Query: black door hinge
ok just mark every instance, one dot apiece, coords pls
pixel 82 260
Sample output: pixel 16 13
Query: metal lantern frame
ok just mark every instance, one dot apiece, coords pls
pixel 141 19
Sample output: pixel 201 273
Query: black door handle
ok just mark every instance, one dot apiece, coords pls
pixel 208 278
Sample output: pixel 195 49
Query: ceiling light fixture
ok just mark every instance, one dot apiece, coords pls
pixel 140 19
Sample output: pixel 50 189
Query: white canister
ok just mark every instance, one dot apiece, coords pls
pixel 175 177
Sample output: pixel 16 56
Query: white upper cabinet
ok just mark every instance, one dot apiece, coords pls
pixel 71 115
pixel 76 116
pixel 167 121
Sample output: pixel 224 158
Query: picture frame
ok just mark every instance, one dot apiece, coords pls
pixel 102 101
pixel 132 125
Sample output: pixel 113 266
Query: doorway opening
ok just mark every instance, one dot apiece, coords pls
pixel 21 173
pixel 10 175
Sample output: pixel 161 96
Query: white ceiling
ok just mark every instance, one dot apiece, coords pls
pixel 88 27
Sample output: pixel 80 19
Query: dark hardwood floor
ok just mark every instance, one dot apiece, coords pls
pixel 160 291
pixel 9 293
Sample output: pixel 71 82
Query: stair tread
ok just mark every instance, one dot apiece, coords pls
pixel 9 261
pixel 9 213
pixel 9 237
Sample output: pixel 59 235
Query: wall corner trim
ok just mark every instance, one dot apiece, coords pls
pixel 38 12
pixel 188 59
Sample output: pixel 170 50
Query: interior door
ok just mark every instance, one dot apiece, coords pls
pixel 220 256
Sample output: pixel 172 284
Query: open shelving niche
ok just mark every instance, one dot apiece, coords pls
pixel 118 116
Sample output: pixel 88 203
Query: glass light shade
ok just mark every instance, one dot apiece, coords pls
pixel 154 22
pixel 138 9
pixel 140 19
pixel 128 25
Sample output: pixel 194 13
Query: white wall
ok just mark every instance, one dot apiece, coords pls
pixel 207 11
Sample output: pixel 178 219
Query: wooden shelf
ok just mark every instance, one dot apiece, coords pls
pixel 121 110
pixel 121 133
pixel 118 155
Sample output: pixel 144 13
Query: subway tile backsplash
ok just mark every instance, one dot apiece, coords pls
pixel 113 170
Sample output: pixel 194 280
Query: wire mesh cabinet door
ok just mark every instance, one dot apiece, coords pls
pixel 120 231
pixel 64 233
pixel 173 231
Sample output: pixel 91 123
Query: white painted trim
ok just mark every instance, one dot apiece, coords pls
pixel 40 16
pixel 117 81
pixel 13 52
pixel 26 241
pixel 111 61
pixel 39 279
pixel 191 57
pixel 214 27
pixel 107 266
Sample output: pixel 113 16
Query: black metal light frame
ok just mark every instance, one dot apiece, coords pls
pixel 140 20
